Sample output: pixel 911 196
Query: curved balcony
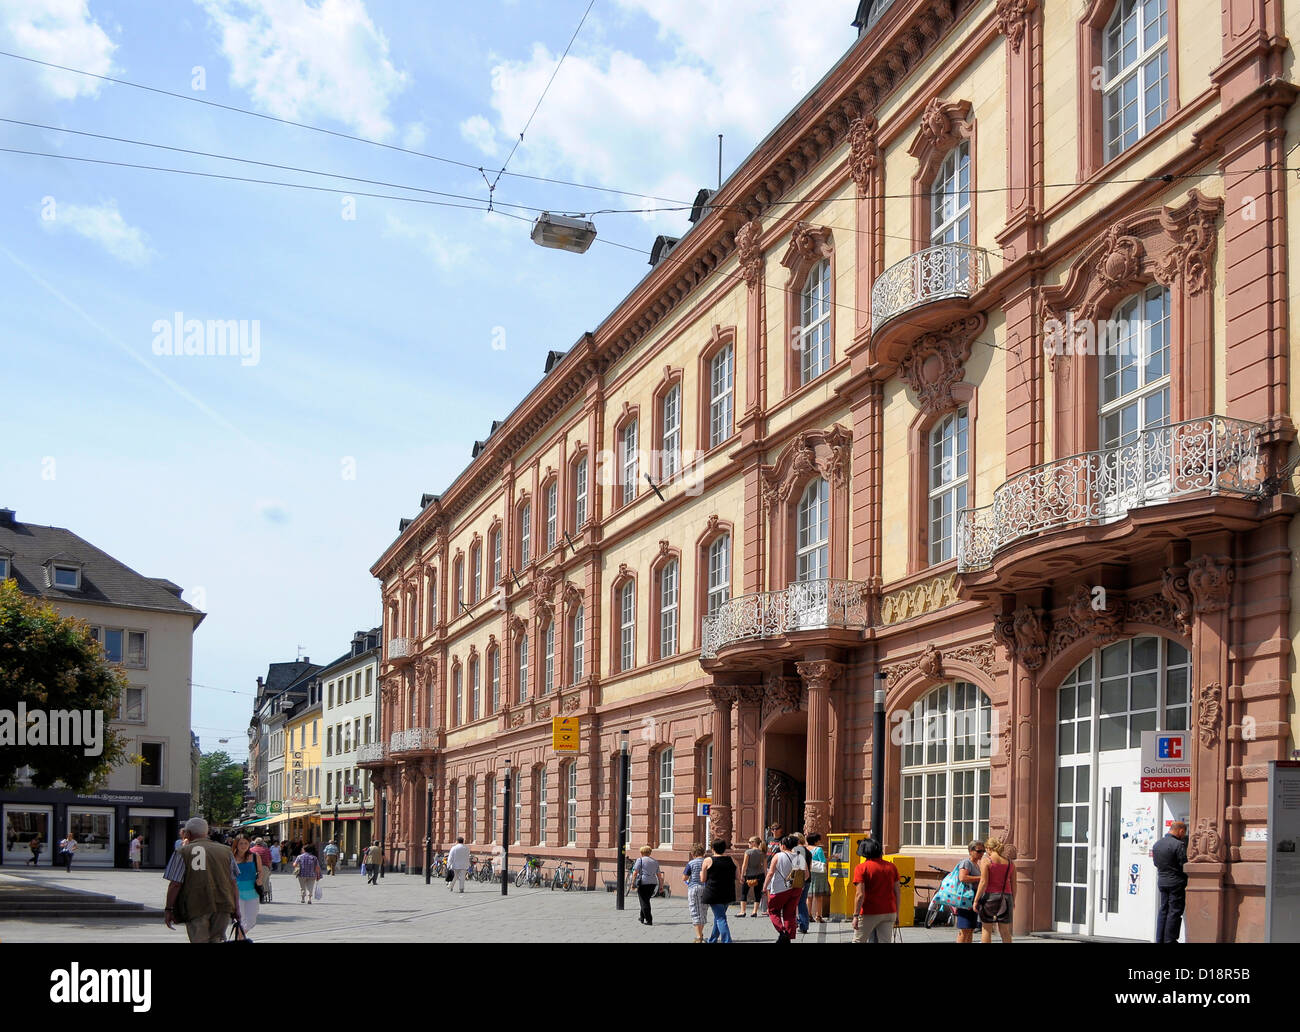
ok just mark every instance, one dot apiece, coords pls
pixel 415 739
pixel 945 272
pixel 1215 455
pixel 401 650
pixel 376 752
pixel 802 606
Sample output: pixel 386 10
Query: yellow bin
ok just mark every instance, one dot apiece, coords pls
pixel 841 858
pixel 907 888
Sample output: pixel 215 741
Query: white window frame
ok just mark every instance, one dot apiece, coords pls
pixel 539 832
pixel 525 534
pixel 578 635
pixel 812 553
pixel 57 568
pixel 494 671
pixel 937 750
pixel 629 463
pixel 949 482
pixel 722 371
pixel 718 592
pixel 548 658
pixel 521 670
pixel 552 514
pixel 457 690
pixel 476 573
pixel 950 206
pixel 815 322
pixel 580 493
pixel 669 595
pixel 471 808
pixel 1146 70
pixel 474 697
pixel 124 704
pixel 571 777
pixel 490 798
pixel 496 557
pixel 665 798
pixel 627 625
pixel 1118 357
pixel 670 443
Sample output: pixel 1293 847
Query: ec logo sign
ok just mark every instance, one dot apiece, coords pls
pixel 1169 747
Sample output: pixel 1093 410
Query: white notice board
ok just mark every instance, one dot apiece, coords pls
pixel 1283 878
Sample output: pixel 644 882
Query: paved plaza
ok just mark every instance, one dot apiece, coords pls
pixel 401 908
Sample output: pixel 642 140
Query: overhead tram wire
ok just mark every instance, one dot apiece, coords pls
pixel 469 166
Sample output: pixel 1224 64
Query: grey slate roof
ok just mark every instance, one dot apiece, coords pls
pixel 104 580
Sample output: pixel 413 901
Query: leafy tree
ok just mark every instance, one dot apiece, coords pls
pixel 221 787
pixel 51 663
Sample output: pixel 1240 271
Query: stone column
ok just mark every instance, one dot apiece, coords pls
pixel 722 697
pixel 818 676
pixel 748 815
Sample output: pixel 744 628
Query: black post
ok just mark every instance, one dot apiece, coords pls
pixel 383 830
pixel 622 819
pixel 505 840
pixel 428 830
pixel 878 762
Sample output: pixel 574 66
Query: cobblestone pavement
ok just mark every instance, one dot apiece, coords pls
pixel 401 908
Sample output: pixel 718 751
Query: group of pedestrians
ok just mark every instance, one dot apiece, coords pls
pixel 985 891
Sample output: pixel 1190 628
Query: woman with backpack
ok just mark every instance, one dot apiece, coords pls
pixel 784 885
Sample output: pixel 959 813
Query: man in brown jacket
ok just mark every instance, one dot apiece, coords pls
pixel 203 890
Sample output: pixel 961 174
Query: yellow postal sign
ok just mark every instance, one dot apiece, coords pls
pixel 564 734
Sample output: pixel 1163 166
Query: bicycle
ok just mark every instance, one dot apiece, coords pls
pixel 530 873
pixel 484 872
pixel 936 913
pixel 439 866
pixel 563 877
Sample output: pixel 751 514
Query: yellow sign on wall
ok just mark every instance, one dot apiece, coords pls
pixel 564 734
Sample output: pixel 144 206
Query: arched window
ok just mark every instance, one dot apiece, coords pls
pixel 548 658
pixel 521 670
pixel 494 677
pixel 453 808
pixel 950 199
pixel 670 441
pixel 431 602
pixel 722 374
pixel 475 573
pixel 949 444
pixel 627 625
pixel 571 803
pixel 474 699
pixel 665 798
pixel 471 809
pixel 1135 62
pixel 813 530
pixel 947 743
pixel 668 608
pixel 1134 369
pixel 577 633
pixel 815 323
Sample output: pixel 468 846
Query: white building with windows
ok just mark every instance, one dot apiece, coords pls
pixel 145 626
pixel 350 722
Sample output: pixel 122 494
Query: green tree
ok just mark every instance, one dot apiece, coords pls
pixel 50 663
pixel 221 787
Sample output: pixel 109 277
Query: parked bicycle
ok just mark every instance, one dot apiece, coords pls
pixel 484 871
pixel 438 868
pixel 936 913
pixel 563 877
pixel 530 873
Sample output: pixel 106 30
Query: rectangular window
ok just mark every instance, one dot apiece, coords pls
pixel 548 659
pixel 521 677
pixel 367 738
pixel 949 449
pixel 329 696
pixel 151 770
pixel 552 514
pixel 471 809
pixel 525 535
pixel 490 797
pixel 721 377
pixel 671 445
pixel 68 577
pixel 668 610
pixel 1135 56
pixel 135 650
pixel 579 618
pixel 539 833
pixel 666 799
pixel 516 790
pixel 476 572
pixel 131 706
pixel 719 590
pixel 496 558
pixel 494 673
pixel 815 323
pixel 455 697
pixel 473 691
pixel 369 681
pixel 627 625
pixel 580 494
pixel 630 465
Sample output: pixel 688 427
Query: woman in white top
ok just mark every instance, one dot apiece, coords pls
pixel 134 854
pixel 785 879
pixel 647 877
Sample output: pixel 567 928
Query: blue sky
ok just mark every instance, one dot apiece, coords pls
pixel 268 488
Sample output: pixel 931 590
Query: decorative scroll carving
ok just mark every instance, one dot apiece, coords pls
pixel 943 126
pixel 570 703
pixel 1030 637
pixel 721 695
pixel 1207 846
pixel 813 451
pixel 937 361
pixel 819 673
pixel 516 625
pixel 816 818
pixel 749 695
pixel 517 718
pixel 1120 263
pixel 1004 742
pixel 1004 631
pixel 572 595
pixel 1178 594
pixel 931 663
pixel 1103 625
pixel 1192 229
pixel 781 695
pixel 1155 610
pixel 1209 708
pixel 807 244
pixel 981 654
pixel 546 581
pixel 1011 15
pixel 864 151
pixel 926 597
pixel 750 251
pixel 1210 579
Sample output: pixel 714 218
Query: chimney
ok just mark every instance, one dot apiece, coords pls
pixel 7 518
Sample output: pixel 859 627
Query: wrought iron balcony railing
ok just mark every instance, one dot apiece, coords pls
pixel 935 274
pixel 416 739
pixel 400 648
pixel 376 752
pixel 1215 455
pixel 802 606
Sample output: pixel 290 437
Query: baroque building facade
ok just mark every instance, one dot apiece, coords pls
pixel 973 381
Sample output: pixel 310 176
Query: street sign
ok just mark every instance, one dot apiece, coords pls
pixel 260 810
pixel 564 734
pixel 1166 761
pixel 702 807
pixel 276 806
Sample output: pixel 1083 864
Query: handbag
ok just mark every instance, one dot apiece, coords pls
pixel 451 875
pixel 237 933
pixel 994 906
pixel 953 892
pixel 819 867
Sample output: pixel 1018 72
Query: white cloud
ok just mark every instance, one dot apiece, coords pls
pixel 414 136
pixel 444 253
pixel 307 62
pixel 651 125
pixel 62 32
pixel 478 131
pixel 104 225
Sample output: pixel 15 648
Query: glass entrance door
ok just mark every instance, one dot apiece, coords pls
pixel 22 824
pixel 1125 896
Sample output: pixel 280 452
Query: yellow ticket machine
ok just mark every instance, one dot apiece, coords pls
pixel 907 888
pixel 841 858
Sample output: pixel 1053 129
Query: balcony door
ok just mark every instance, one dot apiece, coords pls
pixel 1134 467
pixel 807 596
